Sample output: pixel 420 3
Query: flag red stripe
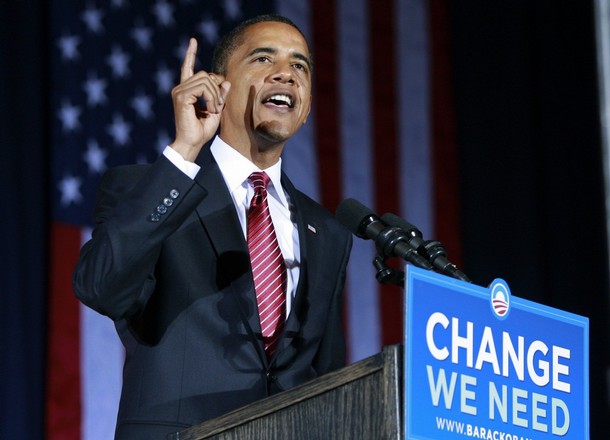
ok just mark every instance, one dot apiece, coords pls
pixel 385 144
pixel 323 20
pixel 326 109
pixel 444 149
pixel 63 412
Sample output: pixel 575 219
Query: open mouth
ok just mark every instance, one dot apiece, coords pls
pixel 280 100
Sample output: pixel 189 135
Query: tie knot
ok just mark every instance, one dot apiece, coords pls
pixel 259 179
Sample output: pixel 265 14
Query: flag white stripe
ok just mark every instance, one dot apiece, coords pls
pixel 101 375
pixel 299 159
pixel 414 105
pixel 102 358
pixel 363 315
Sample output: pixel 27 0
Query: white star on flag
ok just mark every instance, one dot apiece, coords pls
pixel 95 157
pixel 70 190
pixel 232 9
pixel 68 45
pixel 93 19
pixel 164 79
pixel 119 130
pixel 209 29
pixel 163 140
pixel 95 88
pixel 119 62
pixel 143 36
pixel 164 13
pixel 142 104
pixel 69 114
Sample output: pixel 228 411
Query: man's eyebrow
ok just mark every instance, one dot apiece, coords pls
pixel 305 59
pixel 258 50
pixel 273 51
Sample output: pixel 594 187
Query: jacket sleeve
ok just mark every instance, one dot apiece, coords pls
pixel 138 207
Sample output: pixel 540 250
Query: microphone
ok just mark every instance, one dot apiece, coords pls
pixel 432 250
pixel 390 240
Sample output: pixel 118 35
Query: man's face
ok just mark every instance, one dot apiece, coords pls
pixel 270 94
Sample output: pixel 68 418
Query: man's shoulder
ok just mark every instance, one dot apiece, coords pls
pixel 306 202
pixel 315 210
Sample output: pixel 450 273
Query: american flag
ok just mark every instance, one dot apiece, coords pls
pixel 369 137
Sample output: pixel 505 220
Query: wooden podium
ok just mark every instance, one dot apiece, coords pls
pixel 360 401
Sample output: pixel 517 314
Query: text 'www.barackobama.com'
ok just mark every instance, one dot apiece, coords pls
pixel 468 430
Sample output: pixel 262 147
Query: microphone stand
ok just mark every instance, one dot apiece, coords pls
pixel 387 275
pixel 435 253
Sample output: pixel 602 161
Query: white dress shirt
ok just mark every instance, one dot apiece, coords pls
pixel 235 170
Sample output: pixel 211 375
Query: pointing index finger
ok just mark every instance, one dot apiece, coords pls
pixel 188 65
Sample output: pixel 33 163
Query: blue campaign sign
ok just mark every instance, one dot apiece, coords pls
pixel 481 363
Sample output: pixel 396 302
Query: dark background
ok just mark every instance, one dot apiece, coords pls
pixel 532 194
pixel 530 158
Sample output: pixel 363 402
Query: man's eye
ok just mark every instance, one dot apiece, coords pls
pixel 262 59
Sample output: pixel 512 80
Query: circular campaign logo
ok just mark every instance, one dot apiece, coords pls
pixel 500 298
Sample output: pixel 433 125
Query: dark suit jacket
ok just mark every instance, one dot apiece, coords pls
pixel 178 284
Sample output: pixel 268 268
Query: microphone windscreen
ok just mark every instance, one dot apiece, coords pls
pixel 399 222
pixel 351 213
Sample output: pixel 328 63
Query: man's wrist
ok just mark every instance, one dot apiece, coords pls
pixel 188 167
pixel 188 152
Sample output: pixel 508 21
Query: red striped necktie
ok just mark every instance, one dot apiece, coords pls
pixel 268 268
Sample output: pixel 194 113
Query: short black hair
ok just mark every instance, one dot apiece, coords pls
pixel 234 38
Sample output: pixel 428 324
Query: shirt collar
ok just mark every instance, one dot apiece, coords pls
pixel 236 169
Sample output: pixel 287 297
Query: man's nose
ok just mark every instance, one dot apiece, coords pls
pixel 283 73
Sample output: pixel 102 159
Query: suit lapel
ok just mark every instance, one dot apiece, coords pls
pixel 309 235
pixel 218 217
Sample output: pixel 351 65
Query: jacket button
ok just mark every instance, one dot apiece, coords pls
pixel 154 217
pixel 174 193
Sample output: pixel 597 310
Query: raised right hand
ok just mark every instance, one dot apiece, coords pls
pixel 196 123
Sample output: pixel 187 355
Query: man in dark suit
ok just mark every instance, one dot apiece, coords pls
pixel 169 259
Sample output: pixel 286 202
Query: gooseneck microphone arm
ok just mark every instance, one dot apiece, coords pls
pixel 395 237
pixel 432 250
pixel 389 240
